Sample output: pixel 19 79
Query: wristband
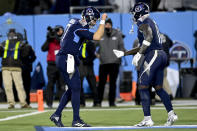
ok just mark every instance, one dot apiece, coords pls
pixel 102 22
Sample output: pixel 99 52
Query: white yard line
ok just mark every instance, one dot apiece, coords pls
pixel 106 109
pixel 190 102
pixel 23 115
pixel 119 109
pixel 32 110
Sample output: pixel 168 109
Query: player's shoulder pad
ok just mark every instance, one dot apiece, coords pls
pixel 73 21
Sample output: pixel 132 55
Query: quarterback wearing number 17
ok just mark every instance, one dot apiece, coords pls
pixel 67 61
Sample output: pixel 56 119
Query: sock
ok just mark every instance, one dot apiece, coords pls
pixel 171 113
pixel 63 102
pixel 75 104
pixel 165 99
pixel 145 99
pixel 147 117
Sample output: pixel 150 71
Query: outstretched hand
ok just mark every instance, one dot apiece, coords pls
pixel 136 59
pixel 118 53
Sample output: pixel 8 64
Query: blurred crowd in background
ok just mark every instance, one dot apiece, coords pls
pixel 29 7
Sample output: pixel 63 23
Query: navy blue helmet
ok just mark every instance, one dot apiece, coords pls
pixel 139 10
pixel 90 14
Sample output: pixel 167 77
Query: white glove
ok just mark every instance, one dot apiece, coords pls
pixel 136 58
pixel 118 53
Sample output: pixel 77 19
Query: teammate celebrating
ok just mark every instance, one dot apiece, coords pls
pixel 152 67
pixel 67 60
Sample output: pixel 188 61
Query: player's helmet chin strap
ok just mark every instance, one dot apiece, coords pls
pixel 83 22
pixel 142 18
pixel 90 24
pixel 134 21
pixel 132 28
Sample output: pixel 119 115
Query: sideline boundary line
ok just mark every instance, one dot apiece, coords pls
pixel 23 115
pixel 44 128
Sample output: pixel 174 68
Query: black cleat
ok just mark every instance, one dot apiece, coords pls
pixel 57 120
pixel 79 123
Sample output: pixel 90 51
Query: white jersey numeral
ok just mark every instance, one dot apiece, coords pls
pixel 65 31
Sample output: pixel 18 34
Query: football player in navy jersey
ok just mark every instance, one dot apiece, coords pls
pixel 152 67
pixel 67 60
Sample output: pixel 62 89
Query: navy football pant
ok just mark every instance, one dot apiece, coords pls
pixel 152 69
pixel 151 74
pixel 74 86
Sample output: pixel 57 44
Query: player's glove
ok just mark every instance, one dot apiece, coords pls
pixel 118 53
pixel 136 59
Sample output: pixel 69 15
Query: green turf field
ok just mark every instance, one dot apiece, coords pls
pixel 123 116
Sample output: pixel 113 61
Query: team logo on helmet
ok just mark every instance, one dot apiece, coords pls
pixel 138 8
pixel 89 12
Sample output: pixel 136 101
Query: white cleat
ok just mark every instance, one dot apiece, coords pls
pixel 172 117
pixel 146 122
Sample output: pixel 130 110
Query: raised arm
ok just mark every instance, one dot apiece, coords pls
pixel 99 33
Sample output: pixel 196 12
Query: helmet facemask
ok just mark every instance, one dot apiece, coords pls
pixel 92 22
pixel 136 16
pixel 91 15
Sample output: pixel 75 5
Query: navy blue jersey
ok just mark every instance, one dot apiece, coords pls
pixel 156 41
pixel 74 35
